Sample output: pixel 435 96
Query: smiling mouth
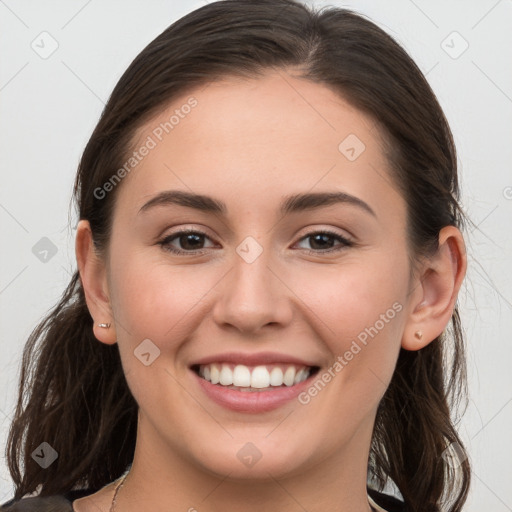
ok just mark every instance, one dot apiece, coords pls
pixel 254 378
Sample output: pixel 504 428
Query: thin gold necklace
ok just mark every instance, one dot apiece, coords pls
pixel 118 487
pixel 121 483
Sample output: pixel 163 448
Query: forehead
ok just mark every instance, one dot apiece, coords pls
pixel 258 139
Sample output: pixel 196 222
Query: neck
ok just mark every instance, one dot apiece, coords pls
pixel 162 478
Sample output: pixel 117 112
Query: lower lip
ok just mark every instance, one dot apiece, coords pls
pixel 252 401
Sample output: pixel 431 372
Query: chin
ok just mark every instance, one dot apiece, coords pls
pixel 260 459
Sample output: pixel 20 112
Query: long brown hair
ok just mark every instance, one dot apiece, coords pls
pixel 73 393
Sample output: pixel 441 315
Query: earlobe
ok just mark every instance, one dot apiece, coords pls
pixel 436 289
pixel 94 282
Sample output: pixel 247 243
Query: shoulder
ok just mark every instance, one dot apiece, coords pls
pixel 63 502
pixel 385 501
pixel 56 503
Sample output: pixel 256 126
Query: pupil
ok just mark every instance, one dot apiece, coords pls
pixel 187 237
pixel 320 236
pixel 320 240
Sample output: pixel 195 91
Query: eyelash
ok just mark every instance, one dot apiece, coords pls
pixel 168 239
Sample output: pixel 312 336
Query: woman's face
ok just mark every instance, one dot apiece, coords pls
pixel 257 284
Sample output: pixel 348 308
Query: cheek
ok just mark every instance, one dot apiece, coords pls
pixel 163 304
pixel 157 301
pixel 352 310
pixel 358 310
pixel 349 298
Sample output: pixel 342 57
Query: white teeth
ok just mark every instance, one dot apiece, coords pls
pixel 289 376
pixel 226 375
pixel 260 378
pixel 241 376
pixel 300 376
pixel 276 377
pixel 253 378
pixel 214 374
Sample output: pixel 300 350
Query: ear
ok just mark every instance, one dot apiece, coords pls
pixel 435 289
pixel 93 276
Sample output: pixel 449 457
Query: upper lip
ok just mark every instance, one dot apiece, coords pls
pixel 253 359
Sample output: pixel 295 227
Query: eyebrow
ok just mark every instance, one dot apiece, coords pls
pixel 291 204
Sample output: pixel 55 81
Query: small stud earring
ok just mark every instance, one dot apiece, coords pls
pixel 418 334
pixel 104 326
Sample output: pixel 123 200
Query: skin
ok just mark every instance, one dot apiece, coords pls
pixel 249 142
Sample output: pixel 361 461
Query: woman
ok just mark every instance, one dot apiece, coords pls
pixel 269 254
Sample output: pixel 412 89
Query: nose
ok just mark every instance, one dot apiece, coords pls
pixel 253 295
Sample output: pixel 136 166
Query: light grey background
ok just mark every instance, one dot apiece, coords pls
pixel 49 107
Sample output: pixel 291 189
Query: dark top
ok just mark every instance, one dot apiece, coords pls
pixel 62 502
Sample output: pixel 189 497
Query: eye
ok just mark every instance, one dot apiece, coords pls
pixel 190 241
pixel 323 240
